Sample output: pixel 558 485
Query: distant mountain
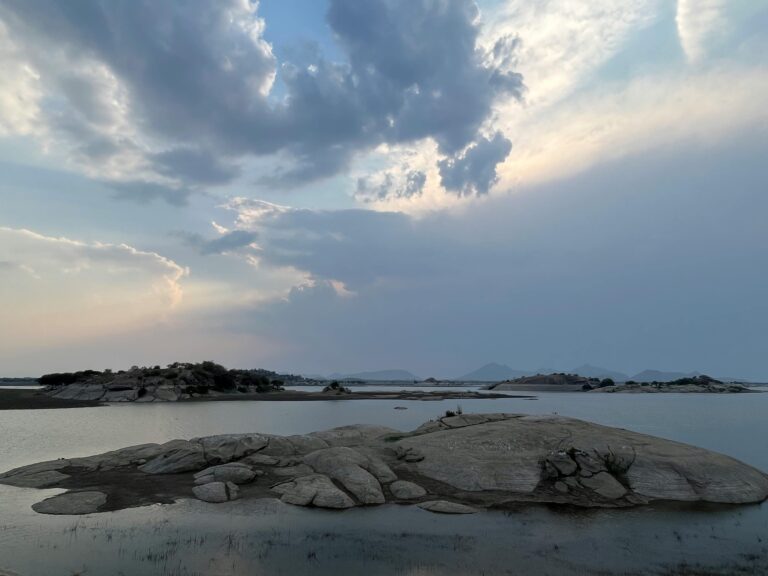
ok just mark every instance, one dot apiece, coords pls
pixel 381 375
pixel 493 372
pixel 658 376
pixel 597 372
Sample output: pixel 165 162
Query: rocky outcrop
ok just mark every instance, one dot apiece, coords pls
pixel 701 384
pixel 457 464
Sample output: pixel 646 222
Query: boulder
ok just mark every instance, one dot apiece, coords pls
pixel 404 490
pixel 260 460
pixel 216 492
pixel 313 490
pixel 605 485
pixel 351 468
pixel 227 447
pixel 355 435
pixel 176 456
pixel 445 507
pixel 72 503
pixel 234 472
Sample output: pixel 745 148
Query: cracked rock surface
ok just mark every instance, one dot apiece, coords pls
pixel 455 464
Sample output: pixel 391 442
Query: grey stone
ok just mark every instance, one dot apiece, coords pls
pixel 72 503
pixel 605 485
pixel 348 467
pixel 227 447
pixel 561 487
pixel 313 490
pixel 260 460
pixel 563 463
pixel 445 507
pixel 233 472
pixel 216 492
pixel 404 490
pixel 40 475
pixel 177 456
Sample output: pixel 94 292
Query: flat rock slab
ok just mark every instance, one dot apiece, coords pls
pixel 72 503
pixel 445 507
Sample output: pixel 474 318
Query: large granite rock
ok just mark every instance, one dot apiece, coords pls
pixel 177 456
pixel 216 492
pixel 475 460
pixel 313 490
pixel 234 472
pixel 404 490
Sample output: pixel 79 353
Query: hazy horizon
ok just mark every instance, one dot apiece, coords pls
pixel 337 186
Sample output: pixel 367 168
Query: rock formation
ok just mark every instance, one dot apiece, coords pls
pixel 457 464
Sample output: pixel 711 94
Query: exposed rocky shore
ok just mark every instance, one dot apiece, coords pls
pixel 457 464
pixel 695 384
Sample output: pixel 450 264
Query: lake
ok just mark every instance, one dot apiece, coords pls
pixel 267 537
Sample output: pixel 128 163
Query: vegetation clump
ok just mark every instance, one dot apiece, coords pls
pixel 189 378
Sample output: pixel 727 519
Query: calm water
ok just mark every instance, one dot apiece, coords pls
pixel 269 538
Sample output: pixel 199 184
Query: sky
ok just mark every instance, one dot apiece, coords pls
pixel 318 186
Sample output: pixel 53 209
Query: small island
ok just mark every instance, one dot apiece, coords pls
pixel 199 382
pixel 701 384
pixel 563 382
pixel 457 464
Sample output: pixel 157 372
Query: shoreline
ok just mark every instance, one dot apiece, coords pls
pixel 37 400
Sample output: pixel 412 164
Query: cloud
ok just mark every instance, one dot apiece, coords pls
pixel 227 242
pixel 473 172
pixel 388 185
pixel 541 278
pixel 127 85
pixel 699 23
pixel 67 289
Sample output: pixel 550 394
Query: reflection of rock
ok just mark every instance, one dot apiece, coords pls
pixel 445 507
pixel 216 492
pixel 480 460
pixel 72 503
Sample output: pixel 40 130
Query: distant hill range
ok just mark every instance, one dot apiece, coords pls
pixel 658 376
pixel 493 372
pixel 597 372
pixel 377 375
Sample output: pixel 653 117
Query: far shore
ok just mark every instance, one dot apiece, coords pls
pixel 34 399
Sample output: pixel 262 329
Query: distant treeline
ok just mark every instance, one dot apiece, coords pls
pixel 196 378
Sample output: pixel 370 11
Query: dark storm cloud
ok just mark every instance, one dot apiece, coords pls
pixel 474 171
pixel 200 72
